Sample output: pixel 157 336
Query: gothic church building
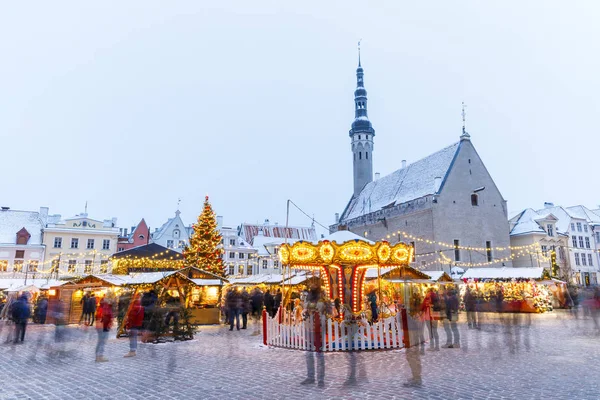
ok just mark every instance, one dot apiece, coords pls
pixel 447 201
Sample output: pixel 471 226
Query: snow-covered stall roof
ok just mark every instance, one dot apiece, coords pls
pixel 43 284
pixel 207 282
pixel 412 182
pixel 504 273
pixel 143 278
pixel 371 273
pixel 438 275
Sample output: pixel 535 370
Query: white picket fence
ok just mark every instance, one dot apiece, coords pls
pixel 335 335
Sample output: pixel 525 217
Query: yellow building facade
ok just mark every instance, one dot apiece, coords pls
pixel 80 245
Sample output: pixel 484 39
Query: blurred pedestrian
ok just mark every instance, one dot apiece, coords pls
pixel 277 301
pixel 431 314
pixel 246 307
pixel 470 308
pixel 450 323
pixel 84 319
pixel 21 312
pixel 234 305
pixel 372 298
pixel 269 303
pixel 92 308
pixel 135 319
pixel 104 321
pixel 257 302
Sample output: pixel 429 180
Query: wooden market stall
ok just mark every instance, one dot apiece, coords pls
pixel 509 289
pixel 68 296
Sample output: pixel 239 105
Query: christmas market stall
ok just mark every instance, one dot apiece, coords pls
pixel 508 289
pixel 71 297
pixel 341 313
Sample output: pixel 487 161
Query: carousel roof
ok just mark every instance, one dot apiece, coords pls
pixel 341 237
pixel 504 273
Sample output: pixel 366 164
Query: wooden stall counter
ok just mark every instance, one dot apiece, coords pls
pixel 205 316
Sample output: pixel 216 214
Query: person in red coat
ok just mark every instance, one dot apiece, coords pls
pixel 104 321
pixel 135 319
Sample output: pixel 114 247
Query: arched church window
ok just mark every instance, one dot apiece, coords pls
pixel 358 137
pixel 360 155
pixel 367 154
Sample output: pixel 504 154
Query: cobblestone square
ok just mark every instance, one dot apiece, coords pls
pixel 548 356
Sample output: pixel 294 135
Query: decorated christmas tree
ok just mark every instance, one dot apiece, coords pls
pixel 204 250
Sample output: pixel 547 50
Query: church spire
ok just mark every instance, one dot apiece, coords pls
pixel 361 134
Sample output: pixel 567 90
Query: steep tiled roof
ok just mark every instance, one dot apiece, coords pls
pixel 412 182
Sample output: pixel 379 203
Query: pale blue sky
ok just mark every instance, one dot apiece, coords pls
pixel 131 105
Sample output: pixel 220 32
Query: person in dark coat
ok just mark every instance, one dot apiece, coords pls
pixel 92 308
pixel 84 309
pixel 277 301
pixel 233 302
pixel 269 303
pixel 246 307
pixel 373 305
pixel 21 312
pixel 257 302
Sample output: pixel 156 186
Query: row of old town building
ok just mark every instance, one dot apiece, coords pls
pixel 38 243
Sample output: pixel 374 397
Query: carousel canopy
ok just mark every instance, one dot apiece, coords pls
pixel 341 237
pixel 345 248
pixel 504 273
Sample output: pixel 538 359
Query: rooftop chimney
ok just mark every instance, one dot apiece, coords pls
pixel 337 217
pixel 548 205
pixel 377 175
pixel 403 163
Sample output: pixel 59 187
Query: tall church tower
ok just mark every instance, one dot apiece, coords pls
pixel 361 135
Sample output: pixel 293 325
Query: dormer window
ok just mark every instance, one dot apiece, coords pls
pixel 550 229
pixel 23 236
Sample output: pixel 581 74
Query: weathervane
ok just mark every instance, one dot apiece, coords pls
pixel 359 52
pixel 464 115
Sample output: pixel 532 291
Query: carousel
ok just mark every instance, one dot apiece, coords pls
pixel 343 316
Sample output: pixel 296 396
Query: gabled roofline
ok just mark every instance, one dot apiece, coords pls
pixel 450 167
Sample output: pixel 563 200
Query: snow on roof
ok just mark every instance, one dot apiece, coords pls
pixel 503 273
pixel 583 212
pixel 434 275
pixel 344 236
pixel 526 223
pixel 256 279
pixel 207 282
pixel 412 182
pixel 372 273
pixel 141 278
pixel 11 222
pixel 38 283
pixel 261 241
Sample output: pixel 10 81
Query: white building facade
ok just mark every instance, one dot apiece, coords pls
pixel 80 245
pixel 173 234
pixel 239 257
pixel 21 247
